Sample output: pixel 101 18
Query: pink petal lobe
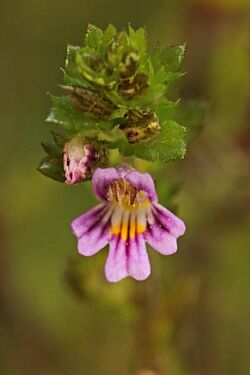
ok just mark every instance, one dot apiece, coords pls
pixel 116 264
pixel 162 234
pixel 92 230
pixel 127 258
pixel 101 180
pixel 138 261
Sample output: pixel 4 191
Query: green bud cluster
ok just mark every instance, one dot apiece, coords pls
pixel 115 94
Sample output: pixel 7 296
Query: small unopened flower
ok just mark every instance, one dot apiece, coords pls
pixel 129 216
pixel 77 160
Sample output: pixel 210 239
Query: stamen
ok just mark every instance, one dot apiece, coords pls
pixel 114 190
pixel 123 191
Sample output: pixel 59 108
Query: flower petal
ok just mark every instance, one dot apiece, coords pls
pixel 143 181
pixel 160 240
pixel 138 261
pixel 127 258
pixel 116 264
pixel 92 230
pixel 163 231
pixel 101 180
pixel 82 223
pixel 175 226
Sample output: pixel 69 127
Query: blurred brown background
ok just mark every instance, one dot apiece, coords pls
pixel 44 328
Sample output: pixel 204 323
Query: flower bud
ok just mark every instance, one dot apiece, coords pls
pixel 77 160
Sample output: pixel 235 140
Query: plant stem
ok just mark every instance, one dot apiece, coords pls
pixel 145 359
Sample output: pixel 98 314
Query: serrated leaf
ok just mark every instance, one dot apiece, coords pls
pixel 172 77
pixel 94 70
pixel 169 145
pixel 138 39
pixel 70 63
pixel 192 114
pixel 69 119
pixel 52 149
pixel 71 73
pixel 59 139
pixel 52 168
pixel 108 35
pixel 166 110
pixel 93 39
pixel 171 57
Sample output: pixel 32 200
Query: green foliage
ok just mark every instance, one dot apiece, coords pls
pixel 113 75
pixel 52 168
pixel 169 145
pixel 52 165
pixel 69 120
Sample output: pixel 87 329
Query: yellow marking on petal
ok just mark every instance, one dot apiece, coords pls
pixel 141 228
pixel 124 231
pixel 115 229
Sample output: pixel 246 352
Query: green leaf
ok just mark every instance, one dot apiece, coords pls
pixel 172 77
pixel 58 139
pixel 171 57
pixel 52 148
pixel 166 110
pixel 138 39
pixel 52 168
pixel 69 119
pixel 169 145
pixel 192 114
pixel 71 73
pixel 93 39
pixel 108 35
pixel 70 63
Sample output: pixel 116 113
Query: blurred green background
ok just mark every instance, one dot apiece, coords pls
pixel 50 328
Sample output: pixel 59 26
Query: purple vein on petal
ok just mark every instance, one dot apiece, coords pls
pixel 168 220
pixel 98 222
pixel 83 222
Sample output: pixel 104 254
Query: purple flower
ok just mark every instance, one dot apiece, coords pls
pixel 128 217
pixel 77 160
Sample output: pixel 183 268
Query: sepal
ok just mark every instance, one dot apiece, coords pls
pixel 52 167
